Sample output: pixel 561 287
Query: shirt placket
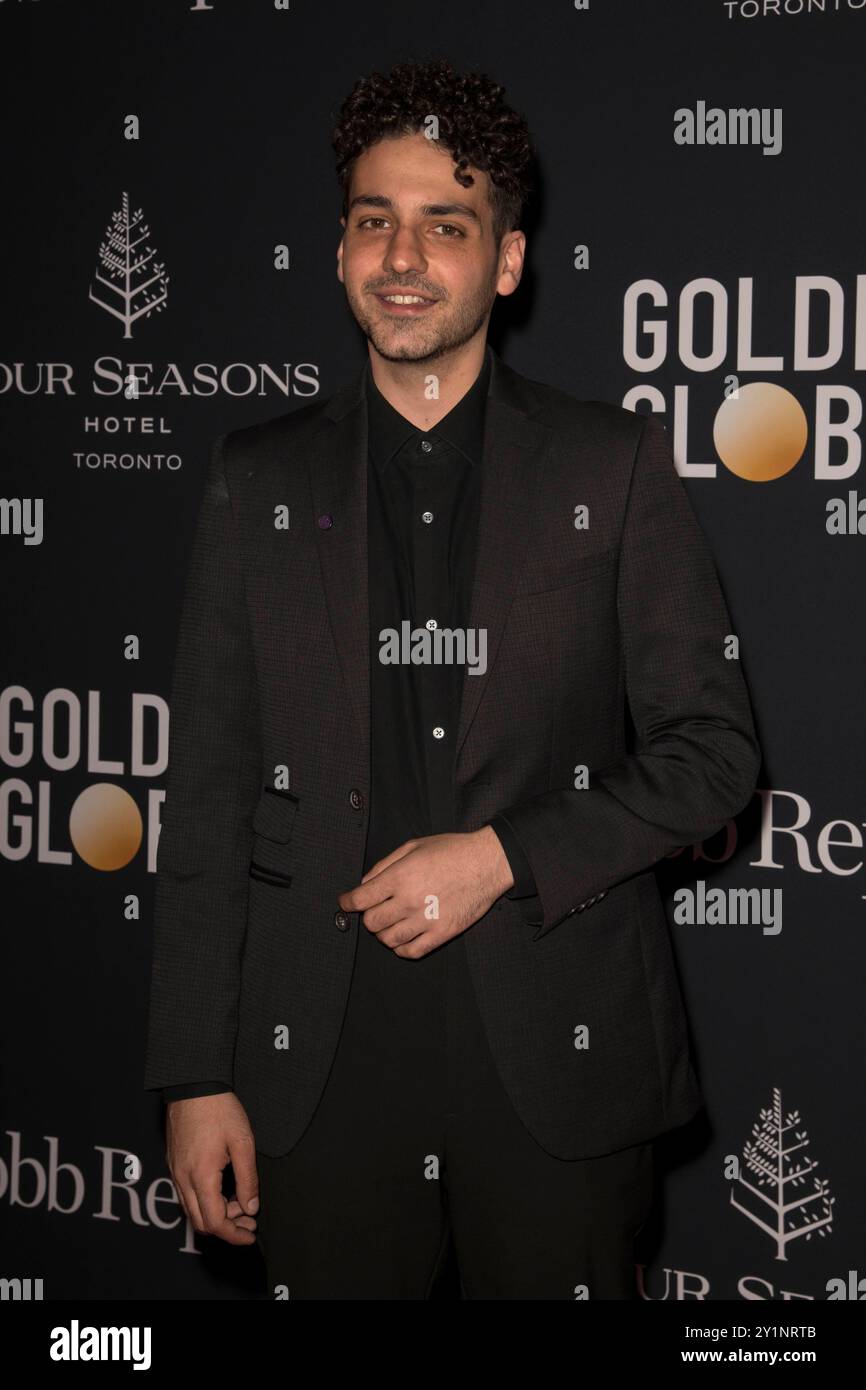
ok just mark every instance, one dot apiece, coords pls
pixel 432 520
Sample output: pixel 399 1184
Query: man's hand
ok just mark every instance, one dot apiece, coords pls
pixel 427 891
pixel 203 1135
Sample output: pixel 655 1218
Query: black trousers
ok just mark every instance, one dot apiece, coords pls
pixel 416 1144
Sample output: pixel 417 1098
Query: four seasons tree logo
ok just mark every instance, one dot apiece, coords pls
pixel 133 283
pixel 776 1157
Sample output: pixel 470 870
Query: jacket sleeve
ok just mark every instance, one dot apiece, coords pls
pixel 194 1089
pixel 524 885
pixel 696 756
pixel 205 844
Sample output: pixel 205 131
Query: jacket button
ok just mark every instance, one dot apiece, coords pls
pixel 341 920
pixel 356 798
pixel 325 522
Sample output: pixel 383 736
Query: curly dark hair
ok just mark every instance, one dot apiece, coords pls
pixel 476 126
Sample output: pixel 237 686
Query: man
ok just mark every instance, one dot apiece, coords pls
pixel 451 678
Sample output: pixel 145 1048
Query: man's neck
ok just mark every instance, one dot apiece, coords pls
pixel 406 385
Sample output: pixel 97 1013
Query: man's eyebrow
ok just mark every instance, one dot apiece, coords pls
pixel 378 200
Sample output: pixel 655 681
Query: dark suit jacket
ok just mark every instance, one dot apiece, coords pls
pixel 605 649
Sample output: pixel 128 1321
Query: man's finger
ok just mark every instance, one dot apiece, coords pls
pixel 420 945
pixel 404 932
pixel 188 1201
pixel 375 890
pixel 242 1152
pixel 213 1205
pixel 385 916
pixel 235 1213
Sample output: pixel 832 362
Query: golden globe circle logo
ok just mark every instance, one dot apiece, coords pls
pixel 760 432
pixel 105 826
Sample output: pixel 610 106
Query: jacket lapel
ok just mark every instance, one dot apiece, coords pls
pixel 338 490
pixel 512 459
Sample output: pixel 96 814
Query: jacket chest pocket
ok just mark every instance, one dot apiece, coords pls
pixel 273 823
pixel 548 570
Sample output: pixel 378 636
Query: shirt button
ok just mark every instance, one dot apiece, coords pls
pixel 356 798
pixel 426 446
pixel 427 517
pixel 341 921
pixel 431 623
pixel 438 732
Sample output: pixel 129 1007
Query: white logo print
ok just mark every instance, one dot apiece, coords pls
pixel 77 1343
pixel 780 1168
pixel 133 281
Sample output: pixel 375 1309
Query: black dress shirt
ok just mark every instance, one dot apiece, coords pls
pixel 423 500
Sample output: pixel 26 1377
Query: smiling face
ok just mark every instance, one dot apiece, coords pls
pixel 412 230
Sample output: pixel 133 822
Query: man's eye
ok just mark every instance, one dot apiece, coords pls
pixel 450 228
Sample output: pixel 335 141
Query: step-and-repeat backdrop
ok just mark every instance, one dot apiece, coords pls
pixel 696 249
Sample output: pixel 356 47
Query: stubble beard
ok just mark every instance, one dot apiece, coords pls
pixel 415 341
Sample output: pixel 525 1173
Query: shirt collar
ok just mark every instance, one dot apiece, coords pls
pixel 462 427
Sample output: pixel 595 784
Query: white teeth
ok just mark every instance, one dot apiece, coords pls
pixel 404 299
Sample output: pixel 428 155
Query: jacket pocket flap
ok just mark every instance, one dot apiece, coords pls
pixel 545 571
pixel 274 815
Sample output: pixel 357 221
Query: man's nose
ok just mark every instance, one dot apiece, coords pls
pixel 404 252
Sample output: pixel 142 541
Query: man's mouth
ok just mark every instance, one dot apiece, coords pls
pixel 406 304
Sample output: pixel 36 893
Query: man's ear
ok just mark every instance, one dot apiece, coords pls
pixel 340 253
pixel 513 256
